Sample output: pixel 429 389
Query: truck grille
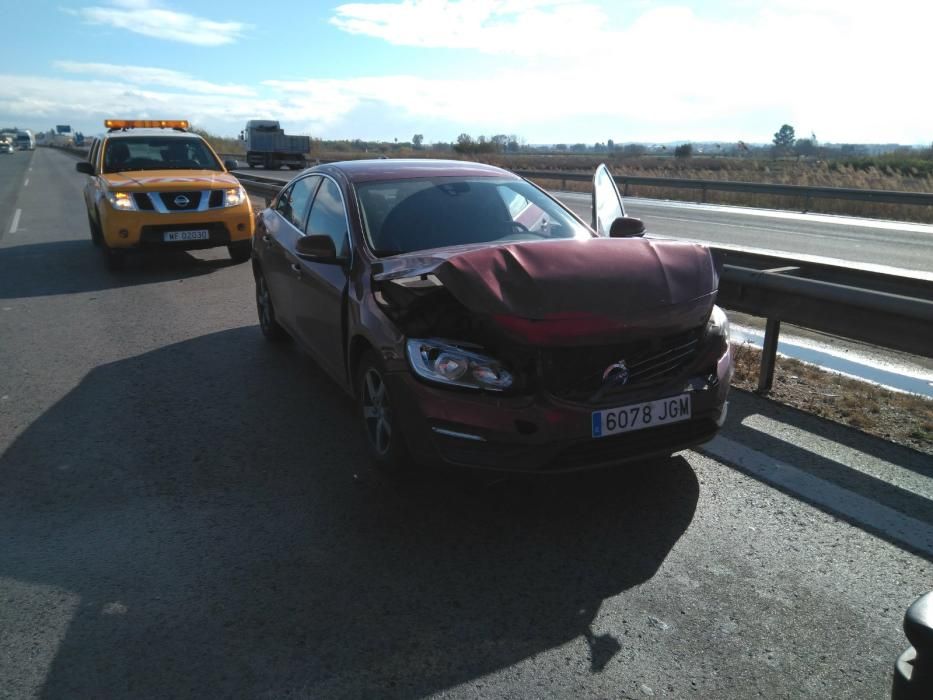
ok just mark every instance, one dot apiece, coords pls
pixel 576 374
pixel 181 201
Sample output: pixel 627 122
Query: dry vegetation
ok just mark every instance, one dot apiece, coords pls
pixel 906 419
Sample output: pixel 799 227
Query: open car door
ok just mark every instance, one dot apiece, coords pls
pixel 607 202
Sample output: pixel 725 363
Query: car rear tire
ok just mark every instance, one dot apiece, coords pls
pixel 240 251
pixel 375 410
pixel 267 324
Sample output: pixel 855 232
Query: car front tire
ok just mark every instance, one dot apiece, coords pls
pixel 377 417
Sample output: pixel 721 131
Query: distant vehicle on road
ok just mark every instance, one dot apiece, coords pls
pixel 6 147
pixel 268 146
pixel 63 137
pixel 153 184
pixel 25 141
pixel 477 321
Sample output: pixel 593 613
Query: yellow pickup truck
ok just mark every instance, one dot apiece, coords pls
pixel 154 184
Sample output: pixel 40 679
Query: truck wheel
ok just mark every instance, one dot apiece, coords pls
pixel 272 163
pixel 252 165
pixel 240 251
pixel 96 238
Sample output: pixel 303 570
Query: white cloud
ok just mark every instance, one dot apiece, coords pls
pixel 147 18
pixel 142 75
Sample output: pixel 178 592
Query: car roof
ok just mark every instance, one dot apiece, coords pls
pixel 408 168
pixel 169 133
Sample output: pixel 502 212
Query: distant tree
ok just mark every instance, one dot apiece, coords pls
pixel 610 145
pixel 634 150
pixel 500 141
pixel 417 140
pixel 805 147
pixel 578 147
pixel 513 146
pixel 684 150
pixel 560 146
pixel 784 138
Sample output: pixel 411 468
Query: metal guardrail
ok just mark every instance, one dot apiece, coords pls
pixel 805 192
pixel 887 310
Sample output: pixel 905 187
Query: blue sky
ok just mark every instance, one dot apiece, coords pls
pixel 548 71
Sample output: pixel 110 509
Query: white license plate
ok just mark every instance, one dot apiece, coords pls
pixel 199 235
pixel 641 415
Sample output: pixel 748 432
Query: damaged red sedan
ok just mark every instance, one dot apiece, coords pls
pixel 477 321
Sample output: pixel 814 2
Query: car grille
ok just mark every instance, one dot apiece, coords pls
pixel 576 374
pixel 189 200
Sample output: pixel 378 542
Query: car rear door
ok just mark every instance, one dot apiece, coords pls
pixel 279 227
pixel 318 300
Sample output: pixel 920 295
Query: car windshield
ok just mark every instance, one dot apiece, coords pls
pixel 402 216
pixel 158 153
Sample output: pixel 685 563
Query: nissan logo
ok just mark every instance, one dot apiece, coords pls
pixel 181 201
pixel 617 373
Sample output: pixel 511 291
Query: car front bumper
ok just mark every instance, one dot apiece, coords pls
pixel 542 433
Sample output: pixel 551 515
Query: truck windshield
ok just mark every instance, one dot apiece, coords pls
pixel 402 216
pixel 158 153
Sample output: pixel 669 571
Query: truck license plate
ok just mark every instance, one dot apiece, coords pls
pixel 199 235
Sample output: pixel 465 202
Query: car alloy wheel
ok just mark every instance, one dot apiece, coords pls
pixel 377 413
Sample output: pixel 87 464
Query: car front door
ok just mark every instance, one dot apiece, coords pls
pixel 318 300
pixel 280 226
pixel 607 202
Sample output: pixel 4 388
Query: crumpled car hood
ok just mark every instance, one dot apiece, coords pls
pixel 553 291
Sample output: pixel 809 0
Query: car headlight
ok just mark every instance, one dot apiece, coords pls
pixel 121 201
pixel 438 361
pixel 234 196
pixel 718 324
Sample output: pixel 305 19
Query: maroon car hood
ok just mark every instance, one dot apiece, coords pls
pixel 551 290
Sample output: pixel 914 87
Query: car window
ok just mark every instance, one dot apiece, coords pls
pixel 92 156
pixel 293 202
pixel 402 216
pixel 328 217
pixel 158 153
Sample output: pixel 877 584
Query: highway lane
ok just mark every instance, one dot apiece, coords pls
pixel 14 176
pixel 898 245
pixel 187 511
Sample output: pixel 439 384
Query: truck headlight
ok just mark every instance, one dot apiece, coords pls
pixel 121 201
pixel 234 196
pixel 438 361
pixel 718 325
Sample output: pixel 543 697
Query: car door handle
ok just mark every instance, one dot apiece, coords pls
pixel 266 237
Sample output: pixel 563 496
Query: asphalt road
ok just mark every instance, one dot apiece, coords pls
pixel 187 511
pixel 899 245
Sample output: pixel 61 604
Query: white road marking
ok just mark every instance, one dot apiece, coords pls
pixel 26 183
pixel 835 499
pixel 15 224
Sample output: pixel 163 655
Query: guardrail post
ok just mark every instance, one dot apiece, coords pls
pixel 703 195
pixel 807 202
pixel 563 184
pixel 768 355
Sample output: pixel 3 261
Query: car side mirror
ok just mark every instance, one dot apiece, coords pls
pixel 627 227
pixel 317 248
pixel 231 164
pixel 82 166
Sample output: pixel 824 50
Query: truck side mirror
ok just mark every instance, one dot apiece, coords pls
pixel 231 164
pixel 82 166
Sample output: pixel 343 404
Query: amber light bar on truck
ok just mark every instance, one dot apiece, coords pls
pixel 146 123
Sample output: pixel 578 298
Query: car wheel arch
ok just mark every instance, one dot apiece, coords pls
pixel 359 344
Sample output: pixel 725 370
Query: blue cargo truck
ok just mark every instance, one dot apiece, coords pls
pixel 268 146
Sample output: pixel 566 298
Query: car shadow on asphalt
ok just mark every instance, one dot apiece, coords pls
pixel 221 533
pixel 75 266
